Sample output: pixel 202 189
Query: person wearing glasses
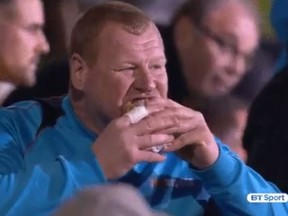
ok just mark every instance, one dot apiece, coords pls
pixel 215 41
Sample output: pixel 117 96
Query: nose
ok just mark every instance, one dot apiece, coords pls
pixel 237 67
pixel 43 45
pixel 144 80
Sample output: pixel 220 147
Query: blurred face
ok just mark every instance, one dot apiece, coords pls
pixel 215 55
pixel 22 42
pixel 233 136
pixel 127 68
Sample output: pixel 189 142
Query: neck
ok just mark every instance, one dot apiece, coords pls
pixel 96 125
pixel 5 89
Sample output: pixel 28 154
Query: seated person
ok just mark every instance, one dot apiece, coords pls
pixel 227 120
pixel 265 137
pixel 50 149
pixel 212 55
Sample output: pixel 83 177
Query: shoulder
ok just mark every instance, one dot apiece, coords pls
pixel 24 108
pixel 20 118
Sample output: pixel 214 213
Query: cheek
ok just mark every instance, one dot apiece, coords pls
pixel 27 43
pixel 162 84
pixel 211 56
pixel 201 62
pixel 119 86
pixel 10 45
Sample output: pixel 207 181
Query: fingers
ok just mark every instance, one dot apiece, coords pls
pixel 170 122
pixel 125 120
pixel 186 139
pixel 157 108
pixel 149 156
pixel 150 140
pixel 164 102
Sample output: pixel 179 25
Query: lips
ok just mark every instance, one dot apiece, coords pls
pixel 136 101
pixel 145 98
pixel 221 84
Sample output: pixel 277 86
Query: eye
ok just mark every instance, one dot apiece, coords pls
pixel 156 67
pixel 124 69
pixel 35 29
pixel 221 43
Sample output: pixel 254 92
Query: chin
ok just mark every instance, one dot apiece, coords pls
pixel 215 93
pixel 28 82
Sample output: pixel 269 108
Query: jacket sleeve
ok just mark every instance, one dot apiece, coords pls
pixel 20 186
pixel 229 181
pixel 35 188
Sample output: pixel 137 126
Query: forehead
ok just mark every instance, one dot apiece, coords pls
pixel 114 39
pixel 234 21
pixel 231 18
pixel 29 12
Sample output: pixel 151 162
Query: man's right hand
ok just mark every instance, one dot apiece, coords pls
pixel 122 144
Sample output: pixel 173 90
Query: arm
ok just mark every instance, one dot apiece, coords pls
pixel 34 188
pixel 36 178
pixel 229 181
pixel 224 175
pixel 29 184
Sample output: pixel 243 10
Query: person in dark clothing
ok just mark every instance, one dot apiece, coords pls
pixel 52 80
pixel 265 137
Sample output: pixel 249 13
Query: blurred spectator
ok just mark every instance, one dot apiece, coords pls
pixel 21 44
pixel 110 200
pixel 213 55
pixel 262 70
pixel 60 16
pixel 266 56
pixel 227 119
pixel 265 137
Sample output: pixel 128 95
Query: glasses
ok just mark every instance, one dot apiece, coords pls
pixel 226 46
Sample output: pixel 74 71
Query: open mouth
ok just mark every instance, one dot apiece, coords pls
pixel 133 103
pixel 136 101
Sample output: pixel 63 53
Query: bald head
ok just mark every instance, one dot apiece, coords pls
pixel 90 24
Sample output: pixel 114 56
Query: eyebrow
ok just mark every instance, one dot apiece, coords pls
pixel 35 26
pixel 162 58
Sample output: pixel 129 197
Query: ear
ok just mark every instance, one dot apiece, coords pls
pixel 183 33
pixel 78 71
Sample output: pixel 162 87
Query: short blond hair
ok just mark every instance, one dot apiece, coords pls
pixel 89 26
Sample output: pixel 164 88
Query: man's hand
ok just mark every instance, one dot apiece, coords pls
pixel 194 142
pixel 122 144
